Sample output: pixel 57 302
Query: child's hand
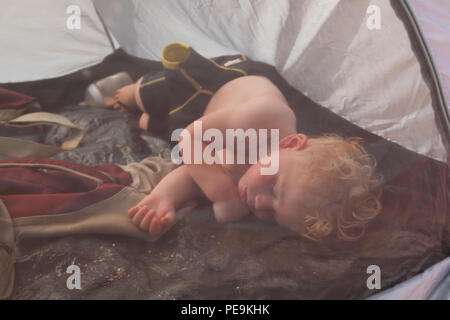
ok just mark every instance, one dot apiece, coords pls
pixel 154 214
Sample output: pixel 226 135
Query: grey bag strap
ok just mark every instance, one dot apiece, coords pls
pixel 16 148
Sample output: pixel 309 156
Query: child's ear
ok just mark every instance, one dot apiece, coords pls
pixel 294 141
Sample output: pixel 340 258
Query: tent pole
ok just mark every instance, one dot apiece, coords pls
pixel 444 113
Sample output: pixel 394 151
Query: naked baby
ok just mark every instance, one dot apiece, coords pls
pixel 323 186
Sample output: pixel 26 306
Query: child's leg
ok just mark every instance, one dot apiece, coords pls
pixel 127 98
pixel 143 121
pixel 137 95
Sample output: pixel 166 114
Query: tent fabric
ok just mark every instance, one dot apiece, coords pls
pixel 406 238
pixel 420 287
pixel 37 43
pixel 52 93
pixel 310 43
pixel 354 78
pixel 434 21
pixel 323 48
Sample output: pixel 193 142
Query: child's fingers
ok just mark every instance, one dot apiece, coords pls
pixel 168 219
pixel 139 215
pixel 155 227
pixel 133 211
pixel 145 223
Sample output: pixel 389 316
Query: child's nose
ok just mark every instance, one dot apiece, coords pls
pixel 263 202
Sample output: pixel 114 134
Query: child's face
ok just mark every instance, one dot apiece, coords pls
pixel 275 197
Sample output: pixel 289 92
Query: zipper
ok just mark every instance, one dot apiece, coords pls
pixel 98 181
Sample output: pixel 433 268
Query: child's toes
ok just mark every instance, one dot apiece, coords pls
pixel 116 104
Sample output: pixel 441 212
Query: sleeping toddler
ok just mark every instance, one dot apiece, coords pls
pixel 322 186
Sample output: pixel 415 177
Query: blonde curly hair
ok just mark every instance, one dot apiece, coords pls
pixel 343 189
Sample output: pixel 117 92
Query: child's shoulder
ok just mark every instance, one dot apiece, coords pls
pixel 265 111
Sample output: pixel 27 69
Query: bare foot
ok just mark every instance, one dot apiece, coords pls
pixel 154 214
pixel 143 121
pixel 124 98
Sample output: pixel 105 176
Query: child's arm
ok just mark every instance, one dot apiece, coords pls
pixel 213 181
pixel 178 187
pixel 230 210
pixel 157 211
pixel 220 189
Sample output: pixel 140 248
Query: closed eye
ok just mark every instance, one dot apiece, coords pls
pixel 276 194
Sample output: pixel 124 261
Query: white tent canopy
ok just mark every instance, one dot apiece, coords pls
pixel 434 22
pixel 323 48
pixel 37 44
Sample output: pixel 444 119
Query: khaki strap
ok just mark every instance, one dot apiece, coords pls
pixel 7 253
pixel 108 217
pixel 17 148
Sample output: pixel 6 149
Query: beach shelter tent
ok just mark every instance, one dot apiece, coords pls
pixel 376 65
